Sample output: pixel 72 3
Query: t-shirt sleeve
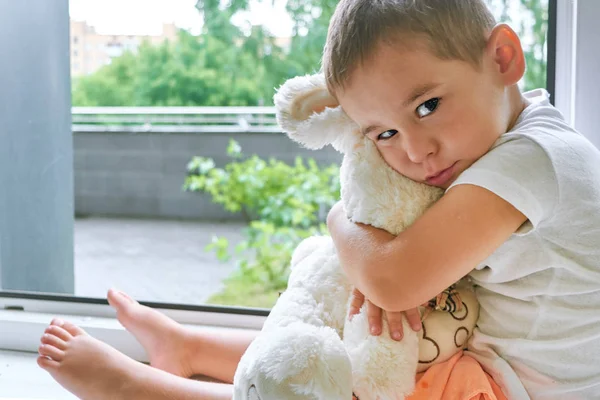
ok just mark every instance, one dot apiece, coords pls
pixel 520 171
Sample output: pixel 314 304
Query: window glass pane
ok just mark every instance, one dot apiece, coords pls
pixel 194 205
pixel 136 228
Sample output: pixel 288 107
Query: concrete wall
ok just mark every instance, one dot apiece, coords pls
pixel 141 175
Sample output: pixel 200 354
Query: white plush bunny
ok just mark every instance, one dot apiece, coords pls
pixel 308 349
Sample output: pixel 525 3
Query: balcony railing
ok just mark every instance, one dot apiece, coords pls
pixel 174 119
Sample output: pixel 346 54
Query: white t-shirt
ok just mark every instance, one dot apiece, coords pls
pixel 538 332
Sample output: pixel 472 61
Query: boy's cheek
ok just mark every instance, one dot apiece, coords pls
pixel 333 214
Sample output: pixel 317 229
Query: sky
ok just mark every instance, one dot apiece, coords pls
pixel 145 17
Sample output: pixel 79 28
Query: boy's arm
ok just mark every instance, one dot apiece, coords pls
pixel 457 233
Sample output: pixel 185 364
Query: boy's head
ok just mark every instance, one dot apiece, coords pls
pixel 431 82
pixel 451 30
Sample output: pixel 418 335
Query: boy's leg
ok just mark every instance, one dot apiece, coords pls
pixel 219 352
pixel 93 370
pixel 172 348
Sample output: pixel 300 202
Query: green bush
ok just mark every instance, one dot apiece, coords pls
pixel 283 204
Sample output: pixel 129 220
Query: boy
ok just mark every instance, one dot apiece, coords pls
pixel 434 84
pixel 439 98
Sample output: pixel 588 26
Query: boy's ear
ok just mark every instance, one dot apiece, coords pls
pixel 505 48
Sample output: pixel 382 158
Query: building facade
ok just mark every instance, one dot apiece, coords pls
pixel 91 50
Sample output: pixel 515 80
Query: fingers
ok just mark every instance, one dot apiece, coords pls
pixel 358 299
pixel 395 324
pixel 414 319
pixel 374 316
pixel 374 313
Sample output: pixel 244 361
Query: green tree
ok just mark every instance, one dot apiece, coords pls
pixel 193 71
pixel 217 18
pixel 311 19
pixel 227 66
pixel 256 56
pixel 536 53
pixel 109 86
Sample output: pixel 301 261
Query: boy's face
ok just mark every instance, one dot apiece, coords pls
pixel 430 118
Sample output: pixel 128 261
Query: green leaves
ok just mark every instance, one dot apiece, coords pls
pixel 221 248
pixel 205 70
pixel 226 66
pixel 529 18
pixel 270 190
pixel 283 205
pixel 234 150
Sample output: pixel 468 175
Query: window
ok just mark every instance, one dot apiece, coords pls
pixel 135 228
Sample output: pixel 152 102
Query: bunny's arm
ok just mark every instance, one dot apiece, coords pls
pixel 401 272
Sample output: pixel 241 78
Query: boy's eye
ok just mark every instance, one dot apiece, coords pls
pixel 428 107
pixel 387 134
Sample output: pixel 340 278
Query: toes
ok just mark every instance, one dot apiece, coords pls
pixel 119 300
pixel 46 363
pixel 59 332
pixel 74 329
pixel 53 340
pixel 52 352
pixel 57 322
pixel 64 329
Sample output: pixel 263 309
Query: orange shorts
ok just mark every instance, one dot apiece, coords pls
pixel 459 378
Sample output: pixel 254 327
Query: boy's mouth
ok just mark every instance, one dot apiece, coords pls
pixel 442 177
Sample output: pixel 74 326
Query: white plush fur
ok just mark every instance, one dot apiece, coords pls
pixel 308 349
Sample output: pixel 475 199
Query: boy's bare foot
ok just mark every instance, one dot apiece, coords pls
pixel 83 365
pixel 93 370
pixel 165 341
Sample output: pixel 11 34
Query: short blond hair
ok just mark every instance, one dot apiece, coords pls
pixel 453 29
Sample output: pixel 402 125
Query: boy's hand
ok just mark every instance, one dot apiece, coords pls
pixel 375 314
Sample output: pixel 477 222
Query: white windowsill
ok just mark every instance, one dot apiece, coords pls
pixel 21 378
pixel 20 332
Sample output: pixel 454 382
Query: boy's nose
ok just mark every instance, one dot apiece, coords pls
pixel 419 147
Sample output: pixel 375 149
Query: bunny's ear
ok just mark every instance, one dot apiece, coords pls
pixel 309 114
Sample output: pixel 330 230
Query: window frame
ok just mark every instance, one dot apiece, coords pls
pixel 24 316
pixel 564 44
